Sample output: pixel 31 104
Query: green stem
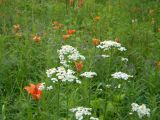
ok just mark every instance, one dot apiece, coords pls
pixel 105 90
pixel 67 100
pixel 58 101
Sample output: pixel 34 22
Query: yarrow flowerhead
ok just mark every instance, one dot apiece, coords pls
pixel 93 118
pixel 80 112
pixel 121 75
pixel 107 45
pixel 142 110
pixel 67 54
pixel 105 56
pixel 88 74
pixel 124 59
pixel 61 74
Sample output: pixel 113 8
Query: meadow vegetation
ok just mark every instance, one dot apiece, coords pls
pixel 79 59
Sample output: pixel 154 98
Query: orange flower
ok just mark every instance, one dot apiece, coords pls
pixel 56 27
pixel 34 90
pixel 16 27
pixel 117 40
pixel 37 38
pixel 95 41
pixel 97 18
pixel 60 25
pixel 159 30
pixel 79 66
pixel 80 3
pixel 70 32
pixel 71 2
pixel 65 37
pixel 55 22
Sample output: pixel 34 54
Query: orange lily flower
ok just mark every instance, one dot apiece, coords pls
pixel 79 66
pixel 55 22
pixel 60 25
pixel 95 41
pixel 34 90
pixel 56 27
pixel 16 28
pixel 37 38
pixel 70 32
pixel 71 2
pixel 97 18
pixel 65 37
pixel 80 3
pixel 117 40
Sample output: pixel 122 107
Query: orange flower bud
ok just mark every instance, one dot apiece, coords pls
pixel 65 37
pixel 55 22
pixel 97 18
pixel 80 3
pixel 71 2
pixel 70 32
pixel 95 41
pixel 79 66
pixel 60 25
pixel 16 28
pixel 37 38
pixel 117 40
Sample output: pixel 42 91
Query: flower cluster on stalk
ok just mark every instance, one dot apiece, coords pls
pixel 68 54
pixel 141 110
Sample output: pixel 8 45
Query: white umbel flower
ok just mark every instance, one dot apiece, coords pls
pixel 142 110
pixel 124 59
pixel 50 72
pixel 42 86
pixel 80 112
pixel 105 56
pixel 107 45
pixel 121 75
pixel 61 74
pixel 93 118
pixel 88 74
pixel 122 49
pixel 68 54
pixel 49 87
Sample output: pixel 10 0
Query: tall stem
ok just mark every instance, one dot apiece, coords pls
pixel 58 101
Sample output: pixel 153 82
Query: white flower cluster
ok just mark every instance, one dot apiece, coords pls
pixel 67 54
pixel 121 75
pixel 107 45
pixel 60 73
pixel 124 59
pixel 88 74
pixel 93 118
pixel 105 56
pixel 142 110
pixel 80 112
pixel 43 87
